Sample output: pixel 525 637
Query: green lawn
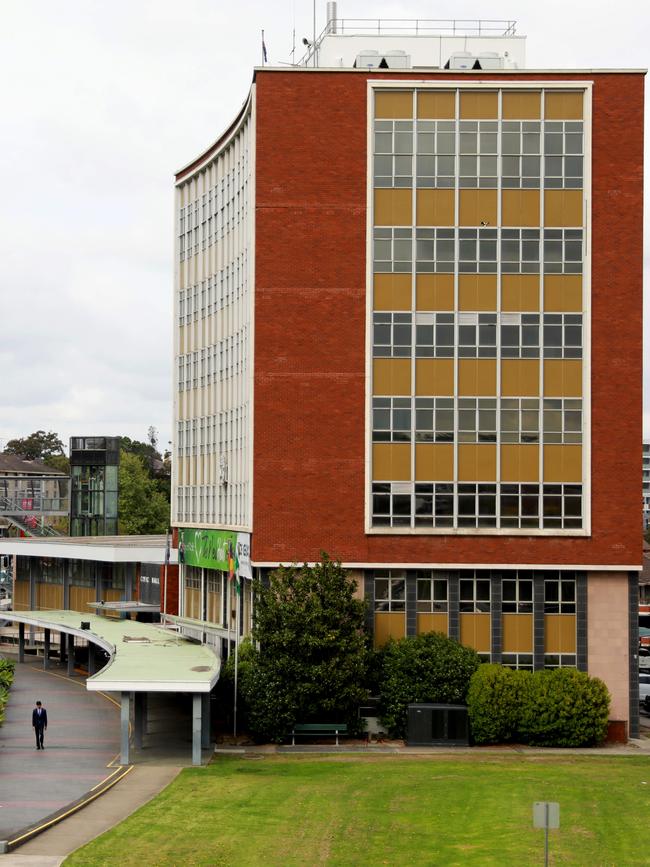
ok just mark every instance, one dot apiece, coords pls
pixel 388 810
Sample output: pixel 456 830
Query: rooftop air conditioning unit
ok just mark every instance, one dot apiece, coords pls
pixel 397 59
pixel 369 59
pixel 490 60
pixel 462 60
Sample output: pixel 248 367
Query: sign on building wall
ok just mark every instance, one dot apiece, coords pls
pixel 211 549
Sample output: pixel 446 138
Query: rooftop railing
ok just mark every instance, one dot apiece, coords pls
pixel 410 27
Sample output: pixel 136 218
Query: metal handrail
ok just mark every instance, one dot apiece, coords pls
pixel 411 27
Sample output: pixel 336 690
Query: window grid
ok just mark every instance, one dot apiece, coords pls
pixel 474 593
pixel 432 593
pixel 517 594
pixel 390 590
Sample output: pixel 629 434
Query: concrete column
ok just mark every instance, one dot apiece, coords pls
pixel 145 711
pixel 205 720
pixel 196 728
pixel 66 583
pixel 125 714
pixel 46 649
pixel 21 642
pixel 70 655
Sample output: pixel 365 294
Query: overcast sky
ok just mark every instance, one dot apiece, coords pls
pixel 101 103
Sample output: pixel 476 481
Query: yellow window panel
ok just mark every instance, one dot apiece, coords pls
pixel 520 377
pixel 434 462
pixel 517 633
pixel 521 105
pixel 393 104
pixel 391 376
pixel 392 292
pixel 563 463
pixel 431 623
pixel 435 207
pixel 477 377
pixel 434 376
pixel 478 207
pixel 559 633
pixel 475 631
pixel 563 293
pixel 519 463
pixel 477 292
pixel 563 105
pixel 520 208
pixel 562 377
pixel 478 105
pixel 436 104
pixel 434 292
pixel 393 207
pixel 391 462
pixel 563 207
pixel 477 463
pixel 389 624
pixel 519 292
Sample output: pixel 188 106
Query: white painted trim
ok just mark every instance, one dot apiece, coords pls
pixel 476 531
pixel 586 308
pixel 479 83
pixel 438 71
pixel 252 291
pixel 369 385
pixel 150 685
pixel 75 551
pixel 583 567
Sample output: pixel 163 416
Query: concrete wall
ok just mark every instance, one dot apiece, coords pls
pixel 607 631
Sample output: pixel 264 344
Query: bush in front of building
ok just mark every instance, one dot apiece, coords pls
pixel 311 663
pixel 494 703
pixel 7 668
pixel 425 668
pixel 553 708
pixel 564 708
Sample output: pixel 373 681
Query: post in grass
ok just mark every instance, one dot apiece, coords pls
pixel 546 814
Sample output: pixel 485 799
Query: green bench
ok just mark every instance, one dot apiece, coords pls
pixel 318 730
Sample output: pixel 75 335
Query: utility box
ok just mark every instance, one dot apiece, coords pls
pixel 437 725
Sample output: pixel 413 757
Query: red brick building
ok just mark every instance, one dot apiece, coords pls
pixel 408 333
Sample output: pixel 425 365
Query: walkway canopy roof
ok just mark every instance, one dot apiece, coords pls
pixel 108 549
pixel 144 658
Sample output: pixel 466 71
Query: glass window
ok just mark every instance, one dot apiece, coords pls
pixel 391 504
pixel 436 153
pixel 392 335
pixel 435 251
pixel 434 504
pixel 519 506
pixel 393 160
pixel 478 154
pixel 477 335
pixel 519 420
pixel 521 661
pixel 434 419
pixel 520 335
pixel 477 505
pixel 434 335
pixel 520 251
pixel 474 592
pixel 390 590
pixel 517 594
pixel 562 420
pixel 563 251
pixel 391 419
pixel 477 420
pixel 563 335
pixel 477 251
pixel 432 592
pixel 560 593
pixel 520 163
pixel 393 250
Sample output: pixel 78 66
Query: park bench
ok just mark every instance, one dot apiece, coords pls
pixel 318 730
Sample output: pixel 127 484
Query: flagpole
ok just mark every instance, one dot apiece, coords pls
pixel 237 615
pixel 263 58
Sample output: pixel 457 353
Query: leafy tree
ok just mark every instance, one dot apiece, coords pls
pixel 142 508
pixel 425 668
pixel 37 446
pixel 311 664
pixel 58 462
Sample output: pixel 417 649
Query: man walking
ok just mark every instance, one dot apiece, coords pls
pixel 39 723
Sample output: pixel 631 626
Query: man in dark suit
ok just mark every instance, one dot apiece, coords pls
pixel 39 724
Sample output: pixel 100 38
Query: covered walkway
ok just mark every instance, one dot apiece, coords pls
pixel 143 659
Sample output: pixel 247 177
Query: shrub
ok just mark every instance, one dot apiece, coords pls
pixel 557 708
pixel 7 668
pixel 494 703
pixel 564 708
pixel 311 666
pixel 425 668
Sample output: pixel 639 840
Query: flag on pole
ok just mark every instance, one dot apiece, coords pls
pixel 264 54
pixel 233 565
pixel 167 551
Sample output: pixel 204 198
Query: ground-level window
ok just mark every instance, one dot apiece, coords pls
pixel 474 594
pixel 517 595
pixel 522 661
pixel 559 660
pixel 560 594
pixel 390 590
pixel 432 594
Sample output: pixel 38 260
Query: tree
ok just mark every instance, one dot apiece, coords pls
pixel 142 508
pixel 37 446
pixel 311 663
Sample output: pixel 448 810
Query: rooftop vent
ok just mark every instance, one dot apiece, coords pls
pixel 373 59
pixel 466 60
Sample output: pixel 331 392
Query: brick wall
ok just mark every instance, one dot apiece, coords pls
pixel 309 444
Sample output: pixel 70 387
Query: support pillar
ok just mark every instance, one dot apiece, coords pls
pixel 46 648
pixel 138 726
pixel 125 715
pixel 70 655
pixel 205 720
pixel 21 642
pixel 196 728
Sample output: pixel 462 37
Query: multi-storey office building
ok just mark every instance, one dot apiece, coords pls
pixel 408 332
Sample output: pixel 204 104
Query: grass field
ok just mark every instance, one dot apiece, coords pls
pixel 388 810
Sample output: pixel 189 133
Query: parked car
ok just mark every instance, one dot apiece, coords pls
pixel 644 690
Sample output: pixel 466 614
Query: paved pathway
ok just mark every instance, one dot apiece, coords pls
pixel 82 739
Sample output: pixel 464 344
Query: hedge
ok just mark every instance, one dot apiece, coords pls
pixel 558 707
pixel 424 668
pixel 6 679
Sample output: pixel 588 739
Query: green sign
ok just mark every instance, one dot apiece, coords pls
pixel 215 549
